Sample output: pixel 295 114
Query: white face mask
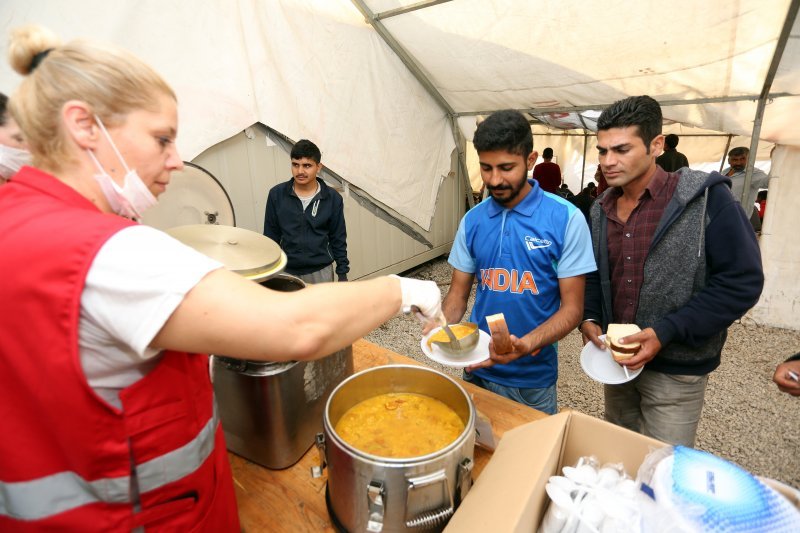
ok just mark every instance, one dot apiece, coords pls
pixel 133 198
pixel 11 160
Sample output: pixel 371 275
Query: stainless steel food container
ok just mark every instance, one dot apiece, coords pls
pixel 271 412
pixel 373 493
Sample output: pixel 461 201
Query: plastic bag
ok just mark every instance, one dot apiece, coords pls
pixel 592 498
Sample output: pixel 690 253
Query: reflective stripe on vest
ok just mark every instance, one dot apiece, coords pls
pixel 50 495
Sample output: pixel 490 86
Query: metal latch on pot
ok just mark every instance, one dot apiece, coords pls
pixel 418 492
pixel 319 442
pixel 464 482
pixel 375 496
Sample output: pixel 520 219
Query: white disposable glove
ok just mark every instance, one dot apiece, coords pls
pixel 423 295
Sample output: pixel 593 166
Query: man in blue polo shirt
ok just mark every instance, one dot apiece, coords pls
pixel 529 251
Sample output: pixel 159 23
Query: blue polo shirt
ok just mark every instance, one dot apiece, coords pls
pixel 518 256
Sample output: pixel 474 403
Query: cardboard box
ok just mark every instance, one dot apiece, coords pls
pixel 509 495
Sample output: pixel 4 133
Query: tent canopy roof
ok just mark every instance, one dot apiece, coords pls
pixel 557 55
pixel 383 105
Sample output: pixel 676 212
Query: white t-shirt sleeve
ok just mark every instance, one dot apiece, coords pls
pixel 135 283
pixel 577 256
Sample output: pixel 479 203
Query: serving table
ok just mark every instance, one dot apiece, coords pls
pixel 291 500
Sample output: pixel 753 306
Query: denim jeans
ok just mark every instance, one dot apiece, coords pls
pixel 544 400
pixel 666 407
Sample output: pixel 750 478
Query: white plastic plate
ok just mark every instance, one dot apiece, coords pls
pixel 600 365
pixel 476 355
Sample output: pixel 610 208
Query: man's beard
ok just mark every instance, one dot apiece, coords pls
pixel 511 197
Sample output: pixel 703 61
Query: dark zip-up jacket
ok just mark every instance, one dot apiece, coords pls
pixel 312 239
pixel 702 272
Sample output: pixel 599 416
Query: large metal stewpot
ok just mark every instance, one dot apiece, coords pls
pixel 270 412
pixel 373 493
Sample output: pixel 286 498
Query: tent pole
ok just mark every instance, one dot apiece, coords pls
pixel 462 172
pixel 585 142
pixel 780 46
pixel 583 166
pixel 412 65
pixel 595 107
pixel 725 152
pixel 409 8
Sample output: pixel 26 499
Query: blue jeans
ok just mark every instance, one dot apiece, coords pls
pixel 544 400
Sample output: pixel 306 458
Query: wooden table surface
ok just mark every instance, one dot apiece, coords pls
pixel 291 500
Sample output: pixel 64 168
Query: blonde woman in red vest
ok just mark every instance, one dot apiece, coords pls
pixel 106 409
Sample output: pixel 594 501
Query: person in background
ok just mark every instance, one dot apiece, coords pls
pixel 602 184
pixel 547 173
pixel 106 406
pixel 665 259
pixel 13 152
pixel 737 159
pixel 564 192
pixel 787 375
pixel 671 160
pixel 584 199
pixel 530 252
pixel 306 217
pixel 761 203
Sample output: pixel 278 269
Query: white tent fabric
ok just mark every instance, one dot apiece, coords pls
pixel 552 53
pixel 380 103
pixel 780 247
pixel 309 69
pixel 315 69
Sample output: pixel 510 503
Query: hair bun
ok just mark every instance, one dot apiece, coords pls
pixel 28 46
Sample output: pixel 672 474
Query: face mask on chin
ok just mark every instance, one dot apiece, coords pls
pixel 133 198
pixel 11 160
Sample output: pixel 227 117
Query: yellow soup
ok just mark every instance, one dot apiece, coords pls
pixel 458 330
pixel 400 424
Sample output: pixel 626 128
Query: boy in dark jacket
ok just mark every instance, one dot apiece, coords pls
pixel 676 255
pixel 306 217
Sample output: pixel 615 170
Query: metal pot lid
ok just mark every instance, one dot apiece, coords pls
pixel 245 252
pixel 193 196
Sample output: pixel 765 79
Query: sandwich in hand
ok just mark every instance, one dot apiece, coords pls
pixel 500 335
pixel 619 351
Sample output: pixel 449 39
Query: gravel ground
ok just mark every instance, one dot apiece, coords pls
pixel 745 420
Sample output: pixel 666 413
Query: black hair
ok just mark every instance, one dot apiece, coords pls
pixel 640 111
pixel 3 109
pixel 671 140
pixel 547 153
pixel 305 148
pixel 504 130
pixel 738 151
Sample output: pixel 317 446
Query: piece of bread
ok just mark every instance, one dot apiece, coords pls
pixel 619 351
pixel 500 335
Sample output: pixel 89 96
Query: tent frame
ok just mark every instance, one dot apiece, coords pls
pixel 414 67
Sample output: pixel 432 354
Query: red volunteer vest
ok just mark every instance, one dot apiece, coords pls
pixel 66 456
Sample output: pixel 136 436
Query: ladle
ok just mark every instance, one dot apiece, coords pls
pixel 455 344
